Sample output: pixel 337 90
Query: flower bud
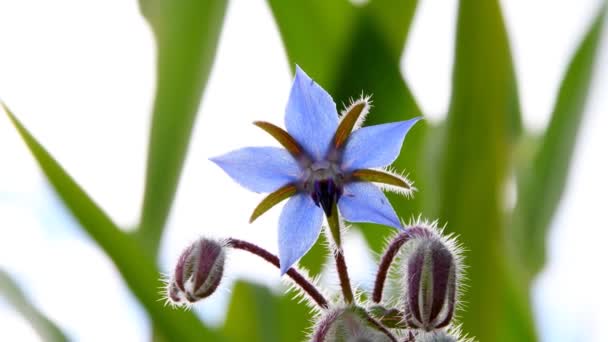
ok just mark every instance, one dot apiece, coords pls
pixel 432 269
pixel 437 336
pixel 198 272
pixel 453 334
pixel 348 325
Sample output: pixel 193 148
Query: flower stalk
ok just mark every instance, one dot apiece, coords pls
pixel 296 276
pixel 334 227
pixel 385 264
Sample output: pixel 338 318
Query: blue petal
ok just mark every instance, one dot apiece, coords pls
pixel 375 146
pixel 311 116
pixel 365 202
pixel 259 169
pixel 299 227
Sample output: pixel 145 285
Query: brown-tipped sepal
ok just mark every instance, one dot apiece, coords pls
pixel 387 180
pixel 284 138
pixel 273 199
pixel 353 116
pixel 198 272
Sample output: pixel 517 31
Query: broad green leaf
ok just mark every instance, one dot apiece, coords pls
pixel 296 318
pixel 315 34
pixel 255 314
pixel 543 181
pixel 45 328
pixel 186 33
pixel 481 127
pixel 316 257
pixel 135 264
pixel 393 19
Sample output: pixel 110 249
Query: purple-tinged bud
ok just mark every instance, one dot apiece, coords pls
pixel 438 336
pixel 432 272
pixel 198 272
pixel 348 325
pixel 450 335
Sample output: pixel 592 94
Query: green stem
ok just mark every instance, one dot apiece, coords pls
pixel 334 227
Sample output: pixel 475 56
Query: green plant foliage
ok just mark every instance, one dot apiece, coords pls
pixel 393 19
pixel 462 164
pixel 186 35
pixel 543 178
pixel 475 161
pixel 315 34
pixel 135 264
pixel 46 329
pixel 255 314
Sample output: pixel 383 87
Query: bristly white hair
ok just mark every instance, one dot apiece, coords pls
pixel 407 192
pixel 365 99
pixel 450 241
pixel 394 287
pixel 453 333
pixel 301 296
pixel 163 291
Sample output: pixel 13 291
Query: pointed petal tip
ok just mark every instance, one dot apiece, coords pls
pixel 395 223
pixel 283 271
pixel 259 169
pixel 284 266
pixel 365 202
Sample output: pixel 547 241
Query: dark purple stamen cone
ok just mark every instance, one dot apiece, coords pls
pixel 325 194
pixel 431 285
pixel 198 272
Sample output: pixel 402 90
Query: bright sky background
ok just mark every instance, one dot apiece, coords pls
pixel 80 75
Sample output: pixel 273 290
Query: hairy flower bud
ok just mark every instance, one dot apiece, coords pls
pixel 453 334
pixel 439 336
pixel 198 272
pixel 348 325
pixel 432 272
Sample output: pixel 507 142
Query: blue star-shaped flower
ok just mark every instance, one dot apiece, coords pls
pixel 322 168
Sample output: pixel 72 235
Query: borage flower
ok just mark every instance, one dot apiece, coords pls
pixel 323 168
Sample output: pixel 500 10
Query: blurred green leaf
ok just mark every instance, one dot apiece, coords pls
pixel 45 328
pixel 393 19
pixel 132 261
pixel 482 124
pixel 315 34
pixel 186 33
pixel 255 314
pixel 314 260
pixel 543 182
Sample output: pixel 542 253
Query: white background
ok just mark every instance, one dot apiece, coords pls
pixel 80 75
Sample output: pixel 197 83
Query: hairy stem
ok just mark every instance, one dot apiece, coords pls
pixel 334 227
pixel 296 276
pixel 347 292
pixel 385 264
